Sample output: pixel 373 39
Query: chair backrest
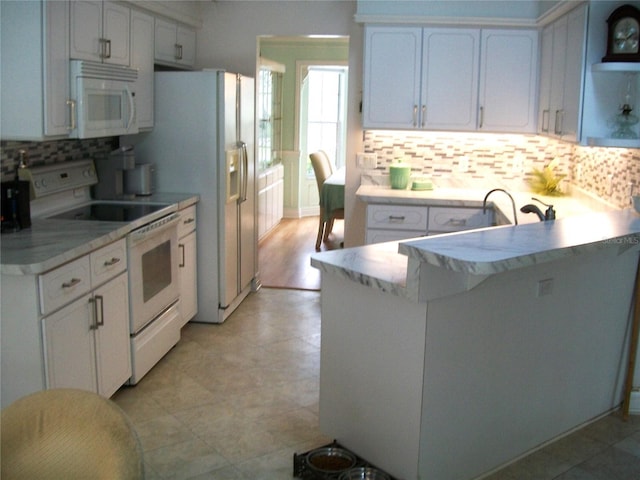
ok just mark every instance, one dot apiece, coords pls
pixel 321 167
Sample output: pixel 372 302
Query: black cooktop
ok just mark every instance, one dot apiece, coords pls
pixel 109 212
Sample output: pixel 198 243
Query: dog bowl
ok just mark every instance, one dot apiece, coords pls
pixel 330 460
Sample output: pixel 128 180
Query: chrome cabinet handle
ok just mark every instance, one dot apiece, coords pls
pixel 481 117
pixel 100 298
pixel 72 111
pixel 182 262
pixel 559 122
pixel 113 261
pixel 424 116
pixel 188 221
pixel 545 114
pixel 396 218
pixel 71 283
pixel 98 315
pixel 415 115
pixel 458 222
pixel 178 48
pixel 105 48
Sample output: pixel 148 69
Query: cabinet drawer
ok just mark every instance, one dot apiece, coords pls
pixel 456 219
pixel 187 221
pixel 107 262
pixel 62 285
pixel 397 217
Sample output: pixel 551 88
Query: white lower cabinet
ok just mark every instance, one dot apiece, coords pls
pixel 188 264
pixel 386 223
pixel 270 199
pixel 86 342
pixel 446 220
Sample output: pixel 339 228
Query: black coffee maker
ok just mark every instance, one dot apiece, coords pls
pixel 15 206
pixel 16 214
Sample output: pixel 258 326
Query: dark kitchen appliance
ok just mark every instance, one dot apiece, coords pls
pixel 16 212
pixel 111 170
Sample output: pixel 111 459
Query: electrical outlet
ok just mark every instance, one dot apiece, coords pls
pixel 545 287
pixel 366 160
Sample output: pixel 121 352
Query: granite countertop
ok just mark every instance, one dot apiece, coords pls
pixel 583 227
pixel 49 243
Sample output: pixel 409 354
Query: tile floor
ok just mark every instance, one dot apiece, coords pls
pixel 235 401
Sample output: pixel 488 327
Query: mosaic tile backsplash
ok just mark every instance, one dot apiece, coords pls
pixel 45 153
pixel 480 160
pixel 464 160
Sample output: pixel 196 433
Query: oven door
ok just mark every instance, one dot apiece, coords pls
pixel 153 270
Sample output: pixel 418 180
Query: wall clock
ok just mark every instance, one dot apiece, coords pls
pixel 623 39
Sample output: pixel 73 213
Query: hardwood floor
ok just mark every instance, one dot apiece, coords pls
pixel 284 255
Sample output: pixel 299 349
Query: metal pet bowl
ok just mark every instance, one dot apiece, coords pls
pixel 330 460
pixel 365 473
pixel 636 202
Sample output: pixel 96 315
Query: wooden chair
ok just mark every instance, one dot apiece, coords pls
pixel 323 168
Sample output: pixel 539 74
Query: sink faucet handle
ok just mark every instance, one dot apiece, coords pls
pixel 550 213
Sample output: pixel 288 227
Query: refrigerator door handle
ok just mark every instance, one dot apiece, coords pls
pixel 244 177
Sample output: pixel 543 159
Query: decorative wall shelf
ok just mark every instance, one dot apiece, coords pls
pixel 616 67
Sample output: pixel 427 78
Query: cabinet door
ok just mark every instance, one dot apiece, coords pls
pixel 142 32
pixel 450 58
pixel 115 31
pixel 86 30
pixel 56 68
pixel 186 41
pixel 99 32
pixel 573 74
pixel 70 348
pixel 165 41
pixel 188 278
pixel 113 349
pixel 546 65
pixel 509 66
pixel 391 88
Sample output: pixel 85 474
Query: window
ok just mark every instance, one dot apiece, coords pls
pixel 323 112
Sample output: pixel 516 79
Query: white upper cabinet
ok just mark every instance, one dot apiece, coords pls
pixel 35 74
pixel 508 81
pixel 100 32
pixel 142 33
pixel 431 79
pixel 175 44
pixel 392 65
pixel 561 76
pixel 450 60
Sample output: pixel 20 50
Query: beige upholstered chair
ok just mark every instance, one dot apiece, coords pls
pixel 68 434
pixel 323 168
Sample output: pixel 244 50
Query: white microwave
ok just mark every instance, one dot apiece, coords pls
pixel 103 102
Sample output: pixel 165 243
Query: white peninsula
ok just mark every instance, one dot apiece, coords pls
pixel 447 357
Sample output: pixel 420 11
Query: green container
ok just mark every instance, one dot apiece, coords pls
pixel 399 175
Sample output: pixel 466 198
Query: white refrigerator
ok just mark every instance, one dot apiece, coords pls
pixel 203 142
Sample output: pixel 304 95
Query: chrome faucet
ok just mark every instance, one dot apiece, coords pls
pixel 549 214
pixel 513 203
